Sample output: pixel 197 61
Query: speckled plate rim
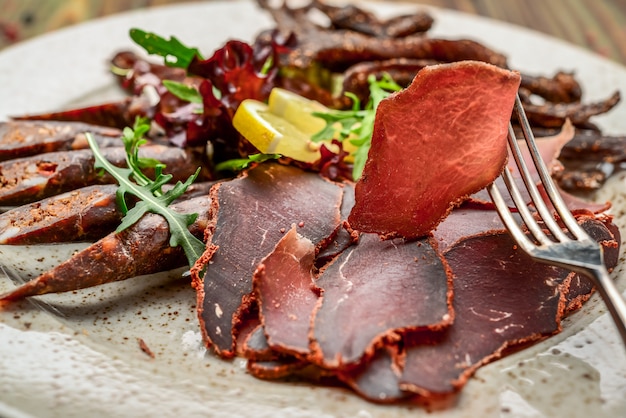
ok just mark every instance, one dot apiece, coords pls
pixel 52 369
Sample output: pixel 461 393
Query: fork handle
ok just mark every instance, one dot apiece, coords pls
pixel 612 298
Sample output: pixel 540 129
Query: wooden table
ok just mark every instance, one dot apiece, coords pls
pixel 599 25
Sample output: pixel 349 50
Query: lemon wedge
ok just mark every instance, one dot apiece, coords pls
pixel 283 126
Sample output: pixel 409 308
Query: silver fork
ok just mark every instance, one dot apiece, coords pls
pixel 575 249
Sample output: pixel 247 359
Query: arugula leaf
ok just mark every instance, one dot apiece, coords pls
pixel 242 163
pixel 151 197
pixel 357 125
pixel 175 53
pixel 133 139
pixel 183 91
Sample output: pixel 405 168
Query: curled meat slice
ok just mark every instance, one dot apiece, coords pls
pixel 550 148
pixel 595 146
pixel 24 138
pixel 275 369
pixel 250 215
pixel 373 290
pixel 601 229
pixel 589 159
pixel 255 346
pixel 344 236
pixel 434 143
pixel 379 379
pixel 283 285
pixel 140 249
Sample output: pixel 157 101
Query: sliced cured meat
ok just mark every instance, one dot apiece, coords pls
pixel 502 300
pixel 255 346
pixel 577 204
pixel 250 215
pixel 379 379
pixel 374 289
pixel 550 148
pixel 464 222
pixel 604 231
pixel 436 142
pixel 345 236
pixel 283 284
pixel 275 369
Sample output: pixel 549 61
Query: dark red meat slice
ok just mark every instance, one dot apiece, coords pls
pixel 436 142
pixel 602 230
pixel 251 214
pixel 255 346
pixel 344 236
pixel 502 300
pixel 275 369
pixel 283 284
pixel 465 222
pixel 379 379
pixel 374 289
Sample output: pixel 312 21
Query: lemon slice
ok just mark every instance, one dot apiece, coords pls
pixel 297 110
pixel 283 126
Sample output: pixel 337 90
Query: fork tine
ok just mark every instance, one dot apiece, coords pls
pixel 507 218
pixel 548 184
pixel 520 203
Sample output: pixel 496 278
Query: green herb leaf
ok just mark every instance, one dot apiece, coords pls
pixel 243 163
pixel 175 53
pixel 183 91
pixel 357 125
pixel 151 197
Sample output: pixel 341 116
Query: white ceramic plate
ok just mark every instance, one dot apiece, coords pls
pixel 78 355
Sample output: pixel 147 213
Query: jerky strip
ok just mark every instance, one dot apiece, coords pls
pixel 24 138
pixel 29 179
pixel 140 249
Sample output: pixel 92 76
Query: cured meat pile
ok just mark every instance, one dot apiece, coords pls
pixel 400 285
pixel 394 319
pixel 392 309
